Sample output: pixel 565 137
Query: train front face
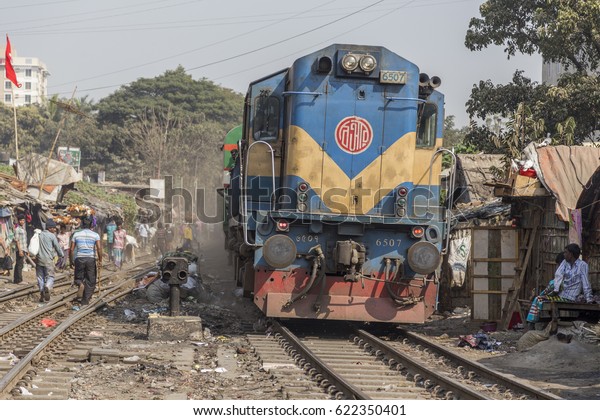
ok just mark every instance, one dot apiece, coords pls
pixel 354 229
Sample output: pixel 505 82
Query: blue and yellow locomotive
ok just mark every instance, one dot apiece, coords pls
pixel 333 191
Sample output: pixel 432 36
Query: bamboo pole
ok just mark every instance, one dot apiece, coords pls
pixel 15 118
pixel 60 124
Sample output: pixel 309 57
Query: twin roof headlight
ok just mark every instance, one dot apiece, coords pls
pixel 366 62
pixel 349 62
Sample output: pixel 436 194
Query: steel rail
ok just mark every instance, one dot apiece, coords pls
pixel 32 315
pixel 416 368
pixel 61 280
pixel 28 289
pixel 321 367
pixel 22 367
pixel 482 370
pixel 47 308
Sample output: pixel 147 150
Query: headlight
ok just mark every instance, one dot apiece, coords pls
pixel 349 62
pixel 279 251
pixel 367 63
pixel 302 207
pixel 423 257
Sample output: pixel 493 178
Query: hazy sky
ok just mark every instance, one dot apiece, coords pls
pixel 99 45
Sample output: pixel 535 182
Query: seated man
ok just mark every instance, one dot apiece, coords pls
pixel 570 279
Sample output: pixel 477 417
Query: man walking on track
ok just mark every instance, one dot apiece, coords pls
pixel 85 249
pixel 44 269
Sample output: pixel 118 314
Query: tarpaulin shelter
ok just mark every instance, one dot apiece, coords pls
pixel 53 177
pixel 564 171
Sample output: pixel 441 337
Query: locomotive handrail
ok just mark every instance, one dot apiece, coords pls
pixel 242 176
pixel 245 209
pixel 292 92
pixel 450 188
pixel 399 98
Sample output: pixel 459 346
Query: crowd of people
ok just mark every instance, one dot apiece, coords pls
pixel 160 237
pixel 58 247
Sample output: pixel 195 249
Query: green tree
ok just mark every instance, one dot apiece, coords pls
pixel 95 143
pixel 198 100
pixel 205 153
pixel 158 139
pixel 453 137
pixel 576 98
pixel 189 116
pixel 564 31
pixel 159 123
pixel 33 127
pixel 522 128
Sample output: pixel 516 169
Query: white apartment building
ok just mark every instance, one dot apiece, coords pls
pixel 551 71
pixel 33 77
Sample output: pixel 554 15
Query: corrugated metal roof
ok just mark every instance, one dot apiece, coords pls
pixel 472 173
pixel 35 169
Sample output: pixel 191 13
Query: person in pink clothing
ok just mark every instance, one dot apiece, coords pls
pixel 64 238
pixel 119 239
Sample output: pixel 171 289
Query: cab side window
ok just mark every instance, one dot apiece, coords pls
pixel 266 117
pixel 426 125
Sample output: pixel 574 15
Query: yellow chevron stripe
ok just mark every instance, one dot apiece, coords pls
pixel 305 158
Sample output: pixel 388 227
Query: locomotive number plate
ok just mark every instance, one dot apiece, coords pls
pixel 388 242
pixel 392 77
pixel 307 238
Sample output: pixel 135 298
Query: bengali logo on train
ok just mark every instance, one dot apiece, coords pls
pixel 354 135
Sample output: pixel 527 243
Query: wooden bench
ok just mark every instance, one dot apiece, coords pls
pixel 554 311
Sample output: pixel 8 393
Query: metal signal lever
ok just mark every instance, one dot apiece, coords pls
pixel 175 273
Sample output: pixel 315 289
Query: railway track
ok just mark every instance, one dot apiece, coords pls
pixel 63 281
pixel 334 361
pixel 360 365
pixel 64 339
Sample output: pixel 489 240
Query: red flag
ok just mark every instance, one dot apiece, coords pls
pixel 10 71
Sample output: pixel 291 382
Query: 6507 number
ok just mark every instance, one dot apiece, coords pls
pixel 307 238
pixel 387 242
